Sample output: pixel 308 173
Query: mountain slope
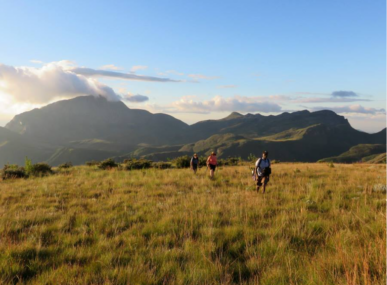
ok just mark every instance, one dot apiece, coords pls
pixel 376 158
pixel 77 155
pixel 91 118
pixel 14 148
pixel 361 152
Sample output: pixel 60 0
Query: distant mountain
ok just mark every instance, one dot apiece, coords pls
pixel 92 128
pixel 90 118
pixel 15 147
pixel 257 125
pixel 372 153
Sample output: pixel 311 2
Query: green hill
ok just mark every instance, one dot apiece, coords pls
pixel 78 155
pixel 376 158
pixel 370 153
pixel 306 144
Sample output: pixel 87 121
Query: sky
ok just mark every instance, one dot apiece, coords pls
pixel 198 60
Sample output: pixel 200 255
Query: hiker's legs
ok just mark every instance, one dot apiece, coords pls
pixel 212 170
pixel 265 181
pixel 259 183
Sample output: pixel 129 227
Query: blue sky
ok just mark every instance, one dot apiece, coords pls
pixel 220 56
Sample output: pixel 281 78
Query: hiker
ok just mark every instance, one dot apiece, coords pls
pixel 262 171
pixel 194 163
pixel 211 163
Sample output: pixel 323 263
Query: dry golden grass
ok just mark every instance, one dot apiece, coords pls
pixel 315 225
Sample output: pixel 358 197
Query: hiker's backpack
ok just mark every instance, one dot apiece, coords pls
pixel 267 170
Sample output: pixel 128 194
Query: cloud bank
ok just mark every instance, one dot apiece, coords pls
pixel 138 67
pixel 89 72
pixel 201 76
pixel 219 104
pixel 51 81
pixel 352 109
pixel 61 79
pixel 344 94
pixel 111 67
pixel 136 98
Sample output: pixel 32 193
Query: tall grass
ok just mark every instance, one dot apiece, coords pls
pixel 315 225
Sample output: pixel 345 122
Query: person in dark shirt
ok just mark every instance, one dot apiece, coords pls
pixel 194 163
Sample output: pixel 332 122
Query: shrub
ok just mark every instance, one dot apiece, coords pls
pixel 252 157
pixel 133 163
pixel 65 165
pixel 182 161
pixel 162 165
pixel 92 163
pixel 40 169
pixel 107 164
pixel 13 171
pixel 231 161
pixel 28 165
pixel 202 161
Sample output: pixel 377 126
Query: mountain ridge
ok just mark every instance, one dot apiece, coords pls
pixel 88 125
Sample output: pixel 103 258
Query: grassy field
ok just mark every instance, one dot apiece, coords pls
pixel 317 224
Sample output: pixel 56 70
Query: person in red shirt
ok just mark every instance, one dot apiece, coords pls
pixel 211 163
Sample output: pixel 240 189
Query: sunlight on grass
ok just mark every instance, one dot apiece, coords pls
pixel 315 225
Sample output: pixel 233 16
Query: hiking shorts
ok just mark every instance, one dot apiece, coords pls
pixel 194 166
pixel 212 167
pixel 262 180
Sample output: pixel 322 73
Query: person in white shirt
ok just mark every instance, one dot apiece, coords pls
pixel 262 171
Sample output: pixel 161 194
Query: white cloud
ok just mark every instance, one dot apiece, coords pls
pixel 329 100
pixel 368 123
pixel 174 72
pixel 135 98
pixel 36 61
pixel 352 109
pixel 89 72
pixel 62 79
pixel 201 76
pixel 110 67
pixel 51 81
pixel 220 104
pixel 138 67
pixel 344 94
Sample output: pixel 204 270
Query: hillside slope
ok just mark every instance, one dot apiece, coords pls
pixel 14 148
pixel 308 144
pixel 361 152
pixel 376 158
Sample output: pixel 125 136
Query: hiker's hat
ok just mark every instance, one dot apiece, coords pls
pixel 265 152
pixel 213 153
